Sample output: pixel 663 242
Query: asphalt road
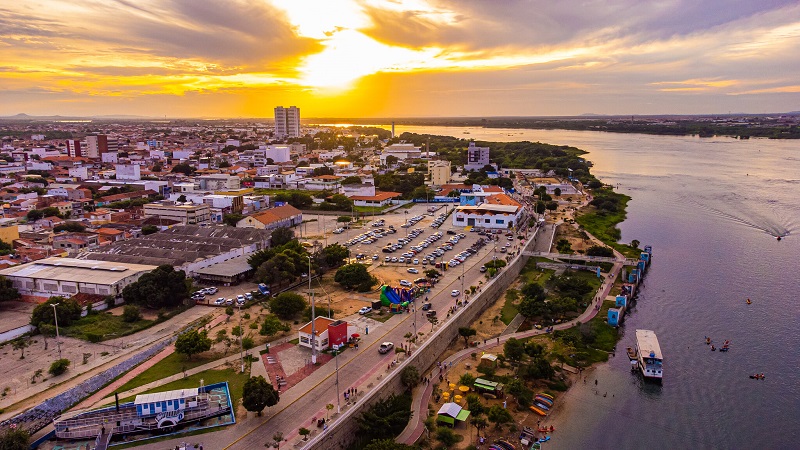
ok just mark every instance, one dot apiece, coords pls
pixel 306 401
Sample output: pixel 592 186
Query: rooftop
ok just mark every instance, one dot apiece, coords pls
pixel 165 396
pixel 77 270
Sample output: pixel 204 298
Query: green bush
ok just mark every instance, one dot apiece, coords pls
pixel 93 337
pixel 58 367
pixel 131 313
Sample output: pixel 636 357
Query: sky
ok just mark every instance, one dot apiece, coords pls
pixel 398 58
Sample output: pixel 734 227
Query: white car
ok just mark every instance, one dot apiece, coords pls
pixel 240 299
pixel 211 290
pixel 385 347
pixel 412 270
pixel 416 261
pixel 219 301
pixel 364 310
pixel 455 293
pixel 405 283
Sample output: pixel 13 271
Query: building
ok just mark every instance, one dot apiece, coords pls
pixel 219 182
pixel 74 148
pixel 96 145
pixel 287 122
pixel 477 157
pixel 378 200
pixel 68 276
pixel 277 153
pixel 439 172
pixel 190 248
pixel 401 152
pixel 187 213
pixel 131 172
pixel 496 211
pixel 281 216
pixel 328 332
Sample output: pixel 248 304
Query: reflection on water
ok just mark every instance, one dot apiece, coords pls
pixel 711 208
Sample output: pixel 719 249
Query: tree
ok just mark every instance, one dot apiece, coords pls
pixel 7 290
pixel 422 192
pixel 149 229
pixel 478 421
pixel 157 167
pixel 448 437
pixel 15 438
pixel 353 179
pixel 192 342
pixel 181 199
pixel 432 273
pixel 552 206
pixel 287 305
pixel 68 310
pixel 272 325
pixel 332 255
pixel 34 215
pixel 409 377
pixel 324 170
pixel 534 291
pixel 540 207
pixel 304 432
pixel 277 438
pixel 466 332
pixel 58 367
pixel 557 192
pixel 387 444
pixel 183 168
pixel 21 343
pixel 232 219
pixel 598 250
pixel 74 227
pixel 131 313
pixel 160 288
pixel 6 248
pixel 257 394
pixel 467 379
pixel 344 219
pixel 514 349
pixel 385 418
pixel 223 164
pixel 391 160
pixel 281 236
pixel 635 243
pixel 499 416
pixel 355 276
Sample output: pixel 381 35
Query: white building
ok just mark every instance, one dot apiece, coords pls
pixel 401 152
pixel 277 153
pixel 287 122
pixel 497 211
pixel 439 172
pixel 477 157
pixel 110 157
pixel 219 182
pixel 96 145
pixel 128 172
pixel 67 276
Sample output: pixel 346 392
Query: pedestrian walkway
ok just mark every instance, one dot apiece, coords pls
pixel 514 325
pixel 422 397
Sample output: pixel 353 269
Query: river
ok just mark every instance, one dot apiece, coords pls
pixel 711 208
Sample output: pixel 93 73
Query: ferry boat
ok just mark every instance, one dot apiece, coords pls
pixel 650 358
pixel 157 412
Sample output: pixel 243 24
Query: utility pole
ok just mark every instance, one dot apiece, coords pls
pixel 58 338
pixel 313 321
pixel 338 397
pixel 241 339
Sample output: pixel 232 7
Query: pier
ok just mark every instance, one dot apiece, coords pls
pixel 598 259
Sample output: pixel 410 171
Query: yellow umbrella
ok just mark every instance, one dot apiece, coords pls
pixel 445 394
pixel 463 388
pixel 452 386
pixel 458 398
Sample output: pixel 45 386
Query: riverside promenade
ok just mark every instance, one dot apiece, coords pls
pixel 422 395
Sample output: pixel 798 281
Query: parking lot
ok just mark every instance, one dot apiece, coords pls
pixel 419 246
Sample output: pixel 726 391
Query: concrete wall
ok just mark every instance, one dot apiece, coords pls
pixel 342 431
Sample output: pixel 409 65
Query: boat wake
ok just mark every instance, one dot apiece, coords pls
pixel 778 226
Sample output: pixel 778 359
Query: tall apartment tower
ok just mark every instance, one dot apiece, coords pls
pixel 74 148
pixel 287 121
pixel 477 157
pixel 96 145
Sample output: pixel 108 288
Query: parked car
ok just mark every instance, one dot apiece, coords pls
pixel 229 301
pixel 219 301
pixel 211 290
pixel 455 293
pixel 412 270
pixel 405 283
pixel 364 310
pixel 483 269
pixel 385 347
pixel 248 296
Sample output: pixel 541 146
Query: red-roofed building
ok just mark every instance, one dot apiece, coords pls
pixel 328 332
pixel 377 200
pixel 282 216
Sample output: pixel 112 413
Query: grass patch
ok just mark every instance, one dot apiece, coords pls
pixel 380 317
pixel 588 343
pixel 104 324
pixel 295 341
pixel 510 310
pixel 172 364
pixel 603 225
pixel 371 209
pixel 235 381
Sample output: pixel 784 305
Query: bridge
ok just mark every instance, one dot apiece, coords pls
pixel 597 259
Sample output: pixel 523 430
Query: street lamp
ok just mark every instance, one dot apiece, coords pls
pixel 338 399
pixel 313 324
pixel 58 338
pixel 241 339
pixel 406 213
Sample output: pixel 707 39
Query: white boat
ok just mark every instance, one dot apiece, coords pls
pixel 650 358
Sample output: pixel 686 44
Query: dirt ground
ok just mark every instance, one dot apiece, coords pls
pixel 579 243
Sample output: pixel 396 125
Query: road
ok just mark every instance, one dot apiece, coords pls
pixel 304 403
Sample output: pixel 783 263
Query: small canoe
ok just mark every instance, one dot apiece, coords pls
pixel 544 400
pixel 537 411
pixel 547 396
pixel 541 405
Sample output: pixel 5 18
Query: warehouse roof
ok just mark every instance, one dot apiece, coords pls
pixel 77 270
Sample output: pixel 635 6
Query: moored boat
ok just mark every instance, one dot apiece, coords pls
pixel 650 357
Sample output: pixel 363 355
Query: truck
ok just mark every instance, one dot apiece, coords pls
pixel 264 289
